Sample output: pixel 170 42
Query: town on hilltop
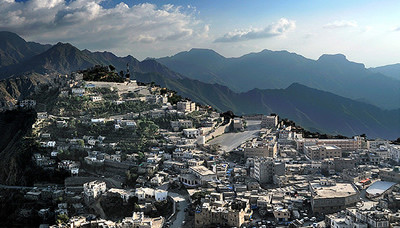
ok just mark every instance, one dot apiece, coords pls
pixel 114 152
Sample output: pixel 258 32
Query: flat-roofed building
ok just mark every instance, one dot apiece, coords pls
pixel 269 121
pixel 265 150
pixel 266 168
pixel 191 133
pixel 186 106
pixel 327 196
pixel 319 152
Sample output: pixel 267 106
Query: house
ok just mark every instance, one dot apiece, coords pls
pixel 61 123
pixel 92 190
pixel 96 98
pixel 78 91
pixel 149 194
pixel 42 115
pixel 191 133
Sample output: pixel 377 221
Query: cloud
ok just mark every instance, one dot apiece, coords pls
pixel 88 24
pixel 396 29
pixel 276 29
pixel 340 24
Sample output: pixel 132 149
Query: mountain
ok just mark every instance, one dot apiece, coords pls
pixel 65 58
pixel 392 71
pixel 19 88
pixel 14 49
pixel 279 69
pixel 310 108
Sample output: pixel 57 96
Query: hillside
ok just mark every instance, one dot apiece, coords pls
pixel 306 106
pixel 64 58
pixel 388 70
pixel 14 49
pixel 15 157
pixel 279 69
pixel 19 88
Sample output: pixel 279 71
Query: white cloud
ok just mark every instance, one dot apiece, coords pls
pixel 396 29
pixel 87 24
pixel 276 29
pixel 340 24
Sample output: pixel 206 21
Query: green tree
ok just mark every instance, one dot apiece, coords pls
pixel 62 219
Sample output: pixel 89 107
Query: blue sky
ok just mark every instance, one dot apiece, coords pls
pixel 365 31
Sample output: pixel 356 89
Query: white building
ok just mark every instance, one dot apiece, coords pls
pixel 394 151
pixel 149 193
pixel 78 91
pixel 96 98
pixel 186 106
pixel 94 189
pixel 191 133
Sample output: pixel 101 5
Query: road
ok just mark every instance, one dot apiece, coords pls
pixel 182 202
pixel 230 141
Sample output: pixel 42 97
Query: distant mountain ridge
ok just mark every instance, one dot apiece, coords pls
pixel 279 69
pixel 310 108
pixel 14 49
pixel 65 58
pixel 392 70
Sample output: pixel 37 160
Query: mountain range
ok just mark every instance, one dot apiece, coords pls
pixel 309 106
pixel 279 69
pixel 392 70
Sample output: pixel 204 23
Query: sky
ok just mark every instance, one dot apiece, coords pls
pixel 365 31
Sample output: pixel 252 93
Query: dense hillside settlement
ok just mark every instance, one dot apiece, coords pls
pixel 97 149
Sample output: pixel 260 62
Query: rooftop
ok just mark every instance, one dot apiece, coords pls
pixel 202 170
pixel 379 187
pixel 333 191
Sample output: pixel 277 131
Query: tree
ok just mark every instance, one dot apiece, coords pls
pixel 112 68
pixel 62 219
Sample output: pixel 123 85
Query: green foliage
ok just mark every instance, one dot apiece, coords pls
pixel 102 73
pixel 62 219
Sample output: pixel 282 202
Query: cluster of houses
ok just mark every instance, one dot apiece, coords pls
pixel 277 178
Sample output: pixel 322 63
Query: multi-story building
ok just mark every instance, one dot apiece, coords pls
pixel 222 213
pixel 94 189
pixel 353 144
pixel 390 174
pixel 322 152
pixel 191 132
pixel 175 125
pixel 238 124
pixel 269 121
pixel 394 151
pixel 266 168
pixel 327 196
pixel 264 150
pixel 186 106
pixel 27 103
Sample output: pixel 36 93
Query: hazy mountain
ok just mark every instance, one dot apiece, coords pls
pixel 388 70
pixel 279 69
pixel 310 108
pixel 65 58
pixel 14 49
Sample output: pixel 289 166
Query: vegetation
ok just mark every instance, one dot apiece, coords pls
pixel 102 73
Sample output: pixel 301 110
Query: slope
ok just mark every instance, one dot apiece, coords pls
pixel 392 70
pixel 14 49
pixel 279 69
pixel 306 106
